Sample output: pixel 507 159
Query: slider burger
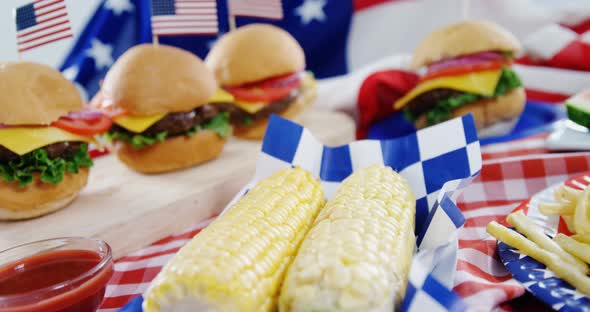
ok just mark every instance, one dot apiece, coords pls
pixel 261 72
pixel 158 97
pixel 466 70
pixel 44 136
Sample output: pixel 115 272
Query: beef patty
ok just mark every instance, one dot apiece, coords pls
pixel 55 150
pixel 428 100
pixel 239 116
pixel 176 124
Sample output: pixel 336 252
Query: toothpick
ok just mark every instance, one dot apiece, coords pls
pixel 19 55
pixel 232 22
pixel 465 9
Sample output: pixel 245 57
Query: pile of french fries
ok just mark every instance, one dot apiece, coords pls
pixel 572 205
pixel 567 256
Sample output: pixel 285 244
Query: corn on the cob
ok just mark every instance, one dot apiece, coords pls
pixel 357 255
pixel 238 262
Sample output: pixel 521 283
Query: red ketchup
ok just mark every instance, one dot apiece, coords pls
pixel 55 281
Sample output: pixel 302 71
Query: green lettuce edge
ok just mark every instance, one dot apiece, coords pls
pixel 509 80
pixel 50 170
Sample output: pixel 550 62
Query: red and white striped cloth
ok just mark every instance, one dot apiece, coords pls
pixel 512 172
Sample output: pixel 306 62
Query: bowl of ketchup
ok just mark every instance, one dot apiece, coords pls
pixel 55 275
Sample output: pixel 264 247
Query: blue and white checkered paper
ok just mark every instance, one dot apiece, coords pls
pixel 438 163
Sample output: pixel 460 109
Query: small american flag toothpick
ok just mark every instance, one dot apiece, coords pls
pixel 41 22
pixel 184 17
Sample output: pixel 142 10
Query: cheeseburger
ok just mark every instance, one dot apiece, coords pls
pixel 261 72
pixel 158 97
pixel 44 136
pixel 466 70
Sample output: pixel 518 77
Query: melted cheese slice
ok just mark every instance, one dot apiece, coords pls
pixel 483 83
pixel 221 96
pixel 22 140
pixel 251 107
pixel 137 123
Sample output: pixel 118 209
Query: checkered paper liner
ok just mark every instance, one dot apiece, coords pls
pixel 437 162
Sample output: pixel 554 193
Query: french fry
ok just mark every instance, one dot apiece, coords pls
pixel 569 194
pixel 557 209
pixel 568 273
pixel 569 221
pixel 577 249
pixel 581 217
pixel 581 238
pixel 529 229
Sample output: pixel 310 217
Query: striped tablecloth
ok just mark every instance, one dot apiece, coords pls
pixel 512 172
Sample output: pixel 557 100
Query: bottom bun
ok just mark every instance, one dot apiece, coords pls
pixel 499 128
pixel 172 154
pixel 39 198
pixel 488 112
pixel 257 130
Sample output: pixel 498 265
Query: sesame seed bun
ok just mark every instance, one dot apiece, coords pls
pixel 254 52
pixel 35 94
pixel 149 79
pixel 464 38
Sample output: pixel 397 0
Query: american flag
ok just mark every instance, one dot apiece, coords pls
pixel 41 22
pixel 270 9
pixel 184 17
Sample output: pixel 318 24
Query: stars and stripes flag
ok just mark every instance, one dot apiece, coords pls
pixel 41 22
pixel 270 9
pixel 184 17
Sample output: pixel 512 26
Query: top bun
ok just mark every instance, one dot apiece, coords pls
pixel 254 52
pixel 35 94
pixel 464 38
pixel 149 79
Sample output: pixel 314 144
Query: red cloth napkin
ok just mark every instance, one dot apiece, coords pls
pixel 378 93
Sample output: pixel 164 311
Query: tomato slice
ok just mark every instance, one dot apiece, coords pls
pixel 268 90
pixel 282 81
pixel 464 69
pixel 84 126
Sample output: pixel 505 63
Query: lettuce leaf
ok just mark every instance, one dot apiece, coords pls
pixel 136 140
pixel 50 170
pixel 219 124
pixel 442 111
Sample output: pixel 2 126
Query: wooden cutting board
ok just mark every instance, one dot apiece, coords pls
pixel 130 210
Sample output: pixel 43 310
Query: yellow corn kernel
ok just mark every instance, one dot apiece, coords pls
pixel 358 253
pixel 238 262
